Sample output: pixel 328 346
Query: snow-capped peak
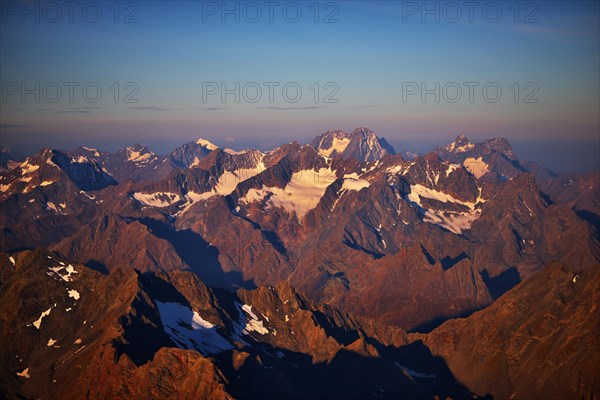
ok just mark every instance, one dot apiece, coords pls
pixel 207 144
pixel 460 145
pixel 362 144
pixel 138 154
pixel 338 145
pixel 460 140
pixel 92 150
pixel 235 152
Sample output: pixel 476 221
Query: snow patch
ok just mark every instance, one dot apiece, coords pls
pixel 338 145
pixel 50 342
pixel 355 184
pixel 460 149
pixel 12 260
pixel 91 197
pixel 189 330
pixel 229 180
pixel 454 221
pixel 80 160
pixel 57 271
pixel 138 157
pixel 339 196
pixel 451 168
pixel 417 191
pixel 207 144
pixel 401 169
pixel 24 373
pixel 226 184
pixel 74 294
pixel 38 322
pixel 254 324
pixel 159 199
pixel 300 195
pixel 50 206
pixel 233 152
pixel 476 166
pixel 92 150
pixel 195 163
pixel 27 168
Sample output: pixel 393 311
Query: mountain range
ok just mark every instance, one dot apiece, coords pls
pixel 335 269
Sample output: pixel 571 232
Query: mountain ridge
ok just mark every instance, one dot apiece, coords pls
pixel 294 266
pixel 192 339
pixel 241 219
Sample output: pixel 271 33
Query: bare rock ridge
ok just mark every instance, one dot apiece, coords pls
pixel 361 144
pixel 371 237
pixel 82 334
pixel 540 340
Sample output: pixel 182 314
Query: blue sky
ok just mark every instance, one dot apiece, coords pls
pixel 364 58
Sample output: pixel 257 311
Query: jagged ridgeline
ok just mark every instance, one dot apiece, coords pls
pixel 199 273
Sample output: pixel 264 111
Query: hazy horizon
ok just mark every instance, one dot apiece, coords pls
pixel 163 73
pixel 560 156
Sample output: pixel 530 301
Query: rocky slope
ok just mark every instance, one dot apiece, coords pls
pixel 581 192
pixel 361 144
pixel 70 332
pixel 540 340
pixel 359 228
pixel 492 159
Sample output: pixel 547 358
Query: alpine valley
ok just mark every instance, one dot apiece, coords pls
pixel 332 270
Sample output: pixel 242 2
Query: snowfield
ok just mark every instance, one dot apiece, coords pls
pixel 455 222
pixel 300 195
pixel 189 330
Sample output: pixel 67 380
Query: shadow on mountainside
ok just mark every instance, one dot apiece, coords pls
pixel 433 323
pixel 199 255
pixel 407 372
pixel 502 283
pixel 360 368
